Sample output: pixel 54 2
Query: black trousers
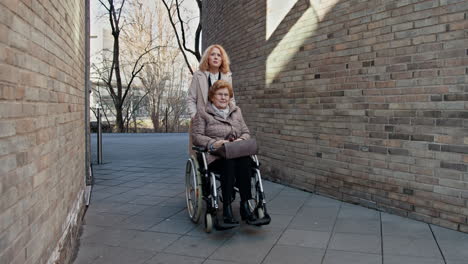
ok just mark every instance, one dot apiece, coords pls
pixel 234 171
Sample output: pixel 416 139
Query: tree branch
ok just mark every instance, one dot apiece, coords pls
pixel 136 72
pixel 120 11
pixel 177 36
pixel 182 29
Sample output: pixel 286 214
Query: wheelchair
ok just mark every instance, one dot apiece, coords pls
pixel 203 185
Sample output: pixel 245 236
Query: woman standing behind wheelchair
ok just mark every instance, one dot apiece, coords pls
pixel 214 66
pixel 221 122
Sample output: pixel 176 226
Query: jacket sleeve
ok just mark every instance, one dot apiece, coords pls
pixel 192 97
pixel 245 133
pixel 198 132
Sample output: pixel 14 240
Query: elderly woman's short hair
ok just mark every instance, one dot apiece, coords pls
pixel 218 85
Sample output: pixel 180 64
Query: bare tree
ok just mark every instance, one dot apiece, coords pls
pixel 150 23
pixel 154 82
pixel 174 13
pixel 118 83
pixel 96 89
pixel 176 96
pixel 138 71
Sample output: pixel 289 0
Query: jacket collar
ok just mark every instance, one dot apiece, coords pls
pixel 209 109
pixel 203 82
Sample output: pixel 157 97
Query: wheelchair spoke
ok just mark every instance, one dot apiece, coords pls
pixel 192 191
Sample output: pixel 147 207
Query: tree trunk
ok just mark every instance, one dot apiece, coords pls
pixel 155 114
pixel 119 124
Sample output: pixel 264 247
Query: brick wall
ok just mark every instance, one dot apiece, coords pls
pixel 364 101
pixel 42 139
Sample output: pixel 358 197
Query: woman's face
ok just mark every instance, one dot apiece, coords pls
pixel 221 98
pixel 215 59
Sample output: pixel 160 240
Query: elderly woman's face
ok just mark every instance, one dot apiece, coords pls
pixel 215 59
pixel 221 98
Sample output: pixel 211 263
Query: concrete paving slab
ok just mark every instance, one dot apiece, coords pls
pixel 242 251
pixel 281 254
pixel 410 246
pixel 346 257
pixel 194 246
pixel 356 243
pixel 150 241
pixel 313 221
pixel 121 198
pixel 349 211
pixel 395 225
pixel 103 219
pixel 455 261
pixel 166 258
pixel 174 226
pixel 160 211
pixel 102 254
pixel 357 226
pixel 199 231
pixel 280 221
pixel 140 222
pixel 391 259
pixel 304 238
pixel 321 201
pixel 90 230
pixel 98 196
pixel 284 206
pixel 148 200
pixel 111 237
pixel 454 249
pixel 212 261
pixel 114 190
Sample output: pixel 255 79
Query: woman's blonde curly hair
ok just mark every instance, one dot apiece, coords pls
pixel 204 66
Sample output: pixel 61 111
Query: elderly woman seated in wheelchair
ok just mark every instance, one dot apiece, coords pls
pixel 216 133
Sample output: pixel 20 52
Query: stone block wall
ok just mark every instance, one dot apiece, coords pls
pixel 364 101
pixel 42 128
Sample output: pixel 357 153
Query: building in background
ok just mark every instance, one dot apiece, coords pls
pixel 363 101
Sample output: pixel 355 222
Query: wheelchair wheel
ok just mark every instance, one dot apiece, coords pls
pixel 260 213
pixel 208 223
pixel 193 190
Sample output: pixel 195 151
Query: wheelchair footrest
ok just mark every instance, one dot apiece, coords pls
pixel 220 225
pixel 262 221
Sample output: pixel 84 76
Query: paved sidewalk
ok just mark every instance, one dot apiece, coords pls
pixel 137 215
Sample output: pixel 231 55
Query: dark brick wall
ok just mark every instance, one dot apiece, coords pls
pixel 364 101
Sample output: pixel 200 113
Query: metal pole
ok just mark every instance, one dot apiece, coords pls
pixel 99 137
pixel 166 119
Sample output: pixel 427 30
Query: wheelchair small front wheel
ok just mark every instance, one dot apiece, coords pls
pixel 208 223
pixel 260 213
pixel 193 190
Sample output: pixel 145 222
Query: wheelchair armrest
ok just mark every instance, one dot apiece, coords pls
pixel 199 149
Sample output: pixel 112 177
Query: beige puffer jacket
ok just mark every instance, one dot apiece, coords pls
pixel 209 127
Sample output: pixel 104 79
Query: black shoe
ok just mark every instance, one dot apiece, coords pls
pixel 246 214
pixel 228 218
